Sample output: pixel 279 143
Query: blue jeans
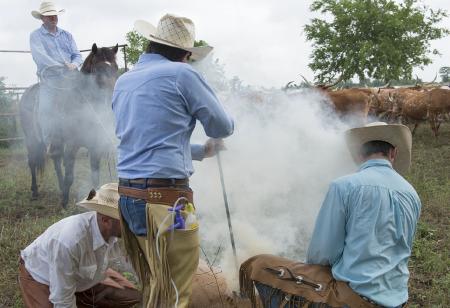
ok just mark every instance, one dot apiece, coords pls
pixel 54 93
pixel 48 114
pixel 276 298
pixel 133 210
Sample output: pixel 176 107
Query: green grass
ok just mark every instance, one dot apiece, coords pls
pixel 430 263
pixel 22 220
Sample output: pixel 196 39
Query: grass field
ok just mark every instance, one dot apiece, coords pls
pixel 22 220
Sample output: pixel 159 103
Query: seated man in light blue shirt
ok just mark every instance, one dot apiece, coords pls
pixel 366 226
pixel 364 231
pixel 55 53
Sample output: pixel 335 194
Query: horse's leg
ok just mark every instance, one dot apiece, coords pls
pixel 69 165
pixel 57 153
pixel 415 127
pixel 34 188
pixel 95 158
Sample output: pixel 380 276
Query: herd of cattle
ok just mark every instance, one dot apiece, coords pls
pixel 408 105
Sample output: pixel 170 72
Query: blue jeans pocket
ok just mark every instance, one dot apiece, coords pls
pixel 133 212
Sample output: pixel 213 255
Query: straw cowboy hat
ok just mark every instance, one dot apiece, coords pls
pixel 104 201
pixel 46 9
pixel 173 31
pixel 396 134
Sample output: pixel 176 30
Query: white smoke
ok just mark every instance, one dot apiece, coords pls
pixel 280 160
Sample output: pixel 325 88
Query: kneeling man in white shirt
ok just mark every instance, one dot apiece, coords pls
pixel 67 266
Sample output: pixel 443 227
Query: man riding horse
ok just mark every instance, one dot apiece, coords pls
pixel 68 109
pixel 52 47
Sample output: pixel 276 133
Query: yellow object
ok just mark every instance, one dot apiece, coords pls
pixel 191 220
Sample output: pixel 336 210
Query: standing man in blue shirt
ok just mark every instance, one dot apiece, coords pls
pixel 366 226
pixel 156 106
pixel 55 53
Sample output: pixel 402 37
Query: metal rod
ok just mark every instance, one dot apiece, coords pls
pixel 27 51
pixel 227 209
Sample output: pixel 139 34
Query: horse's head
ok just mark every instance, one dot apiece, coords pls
pixel 101 63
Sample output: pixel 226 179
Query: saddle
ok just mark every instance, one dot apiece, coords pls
pixel 297 284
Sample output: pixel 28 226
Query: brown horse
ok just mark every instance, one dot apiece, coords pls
pixel 81 106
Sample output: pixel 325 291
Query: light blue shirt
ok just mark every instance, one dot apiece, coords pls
pixel 365 231
pixel 49 49
pixel 156 106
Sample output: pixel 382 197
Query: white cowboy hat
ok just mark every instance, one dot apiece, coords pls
pixel 396 134
pixel 104 201
pixel 173 31
pixel 46 9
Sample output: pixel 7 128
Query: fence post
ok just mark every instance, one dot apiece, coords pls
pixel 125 57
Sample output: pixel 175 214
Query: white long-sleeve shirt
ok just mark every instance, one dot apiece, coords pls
pixel 70 256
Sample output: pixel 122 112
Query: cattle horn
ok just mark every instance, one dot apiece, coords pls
pixel 288 85
pixel 435 77
pixel 417 81
pixel 387 85
pixel 306 80
pixel 390 97
pixel 333 84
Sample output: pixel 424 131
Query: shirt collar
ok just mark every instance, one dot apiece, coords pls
pixel 45 31
pixel 147 57
pixel 374 163
pixel 98 240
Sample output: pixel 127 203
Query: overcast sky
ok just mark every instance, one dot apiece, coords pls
pixel 260 41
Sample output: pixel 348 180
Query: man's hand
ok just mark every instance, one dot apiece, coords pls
pixel 71 66
pixel 116 280
pixel 212 146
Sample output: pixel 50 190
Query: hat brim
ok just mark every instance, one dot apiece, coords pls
pixel 38 15
pixel 104 209
pixel 396 134
pixel 148 31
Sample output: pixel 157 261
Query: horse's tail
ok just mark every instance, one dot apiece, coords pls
pixel 28 108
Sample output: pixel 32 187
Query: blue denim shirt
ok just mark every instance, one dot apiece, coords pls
pixel 156 106
pixel 365 231
pixel 49 49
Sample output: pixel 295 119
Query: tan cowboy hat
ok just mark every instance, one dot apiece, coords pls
pixel 173 31
pixel 104 201
pixel 396 134
pixel 46 9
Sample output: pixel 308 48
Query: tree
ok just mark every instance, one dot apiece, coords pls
pixel 381 39
pixel 444 72
pixel 6 99
pixel 136 46
pixel 7 124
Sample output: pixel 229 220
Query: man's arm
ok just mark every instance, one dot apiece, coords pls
pixel 62 266
pixel 203 104
pixel 209 149
pixel 76 57
pixel 327 242
pixel 39 54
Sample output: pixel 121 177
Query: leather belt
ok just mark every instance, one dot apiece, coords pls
pixel 156 195
pixel 149 181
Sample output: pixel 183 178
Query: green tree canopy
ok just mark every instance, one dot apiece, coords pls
pixel 381 39
pixel 444 72
pixel 136 46
pixel 6 99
